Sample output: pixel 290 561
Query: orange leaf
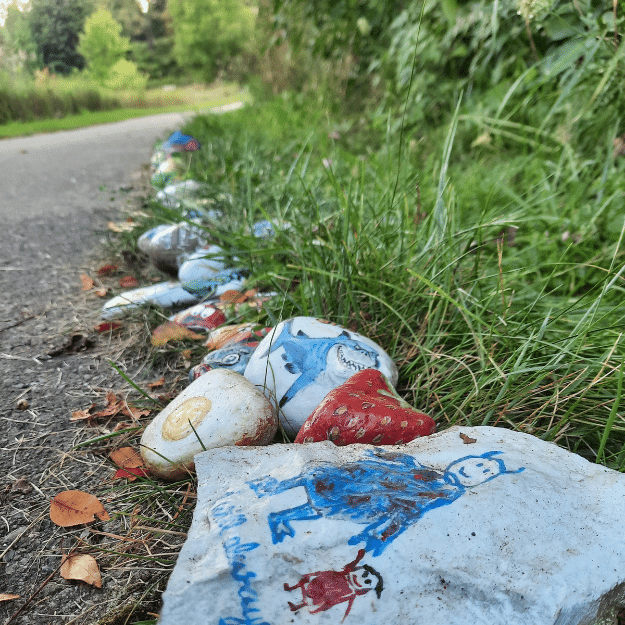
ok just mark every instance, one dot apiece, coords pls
pixel 82 567
pixel 171 331
pixel 74 507
pixel 87 282
pixel 232 297
pixel 79 415
pixel 134 412
pixel 157 383
pixel 5 597
pixel 127 458
pixel 100 292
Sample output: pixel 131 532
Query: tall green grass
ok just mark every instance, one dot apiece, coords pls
pixel 493 280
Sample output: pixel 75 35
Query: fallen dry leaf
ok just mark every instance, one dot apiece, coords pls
pixel 131 473
pixel 222 335
pixel 79 415
pixel 100 292
pixel 232 297
pixel 467 440
pixel 87 282
pixel 107 326
pixel 5 597
pixel 127 458
pixel 171 331
pixel 124 226
pixel 128 282
pixel 157 383
pixel 106 270
pixel 74 507
pixel 82 567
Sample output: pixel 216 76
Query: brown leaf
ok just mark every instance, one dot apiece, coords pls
pixel 157 383
pixel 21 486
pixel 5 597
pixel 128 282
pixel 100 292
pixel 467 440
pixel 232 297
pixel 135 413
pixel 114 405
pixel 171 331
pixel 87 282
pixel 79 415
pixel 127 458
pixel 82 567
pixel 74 507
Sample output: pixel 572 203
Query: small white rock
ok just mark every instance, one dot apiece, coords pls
pixel 222 407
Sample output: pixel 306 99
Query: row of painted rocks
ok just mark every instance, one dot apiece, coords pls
pixel 324 382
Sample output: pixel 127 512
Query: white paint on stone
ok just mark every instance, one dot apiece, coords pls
pixel 220 408
pixel 508 530
pixel 303 359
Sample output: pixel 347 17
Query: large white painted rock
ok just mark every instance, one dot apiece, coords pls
pixel 472 526
pixel 303 359
pixel 222 407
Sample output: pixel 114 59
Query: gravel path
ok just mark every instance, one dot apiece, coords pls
pixel 58 193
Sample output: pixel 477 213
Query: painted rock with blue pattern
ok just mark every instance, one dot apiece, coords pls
pixel 472 526
pixel 304 358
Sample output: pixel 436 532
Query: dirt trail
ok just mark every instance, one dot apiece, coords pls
pixel 57 194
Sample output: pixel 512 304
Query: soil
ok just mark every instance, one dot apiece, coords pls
pixel 42 382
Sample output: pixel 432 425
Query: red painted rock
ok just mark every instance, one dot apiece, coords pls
pixel 365 409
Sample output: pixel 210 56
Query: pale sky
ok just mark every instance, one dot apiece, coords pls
pixel 22 3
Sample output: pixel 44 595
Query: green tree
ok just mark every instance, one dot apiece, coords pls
pixel 209 33
pixel 102 43
pixel 54 26
pixel 18 44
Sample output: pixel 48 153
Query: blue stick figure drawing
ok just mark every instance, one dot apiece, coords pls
pixel 311 357
pixel 387 491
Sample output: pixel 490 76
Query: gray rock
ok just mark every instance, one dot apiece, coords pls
pixel 467 527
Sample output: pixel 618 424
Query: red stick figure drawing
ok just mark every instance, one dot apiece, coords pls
pixel 325 589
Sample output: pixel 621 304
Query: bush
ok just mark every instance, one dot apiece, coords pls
pixel 125 75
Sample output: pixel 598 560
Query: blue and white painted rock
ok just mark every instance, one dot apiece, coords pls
pixel 472 526
pixel 202 264
pixel 166 244
pixel 213 286
pixel 304 358
pixel 173 195
pixel 222 407
pixel 165 294
pixel 167 172
pixel 233 354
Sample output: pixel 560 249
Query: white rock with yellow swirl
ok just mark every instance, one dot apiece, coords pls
pixel 220 408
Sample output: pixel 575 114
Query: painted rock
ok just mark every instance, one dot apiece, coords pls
pixel 214 286
pixel 173 195
pixel 470 526
pixel 165 294
pixel 167 172
pixel 222 407
pixel 179 142
pixel 202 264
pixel 200 317
pixel 165 244
pixel 234 354
pixel 365 409
pixel 304 358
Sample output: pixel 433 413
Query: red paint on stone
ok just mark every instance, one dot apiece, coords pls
pixel 365 409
